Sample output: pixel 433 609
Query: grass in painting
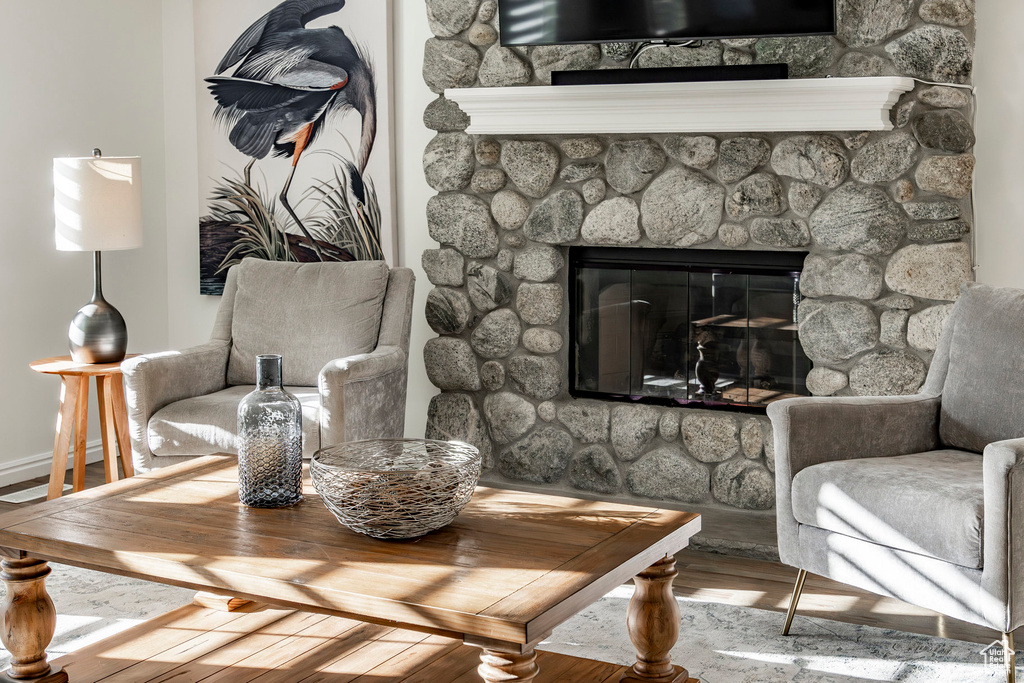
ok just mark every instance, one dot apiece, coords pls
pixel 254 219
pixel 343 220
pixel 336 216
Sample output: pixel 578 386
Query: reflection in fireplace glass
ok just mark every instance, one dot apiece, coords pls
pixel 718 329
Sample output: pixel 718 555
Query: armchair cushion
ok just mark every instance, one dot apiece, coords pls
pixel 983 399
pixel 926 503
pixel 207 424
pixel 309 313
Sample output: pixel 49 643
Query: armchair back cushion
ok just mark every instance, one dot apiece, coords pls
pixel 983 396
pixel 310 313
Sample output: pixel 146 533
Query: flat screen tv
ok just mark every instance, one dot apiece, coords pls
pixel 554 22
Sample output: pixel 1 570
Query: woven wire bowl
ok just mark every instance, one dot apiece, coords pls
pixel 396 488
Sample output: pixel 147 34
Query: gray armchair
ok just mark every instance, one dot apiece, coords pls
pixel 343 329
pixel 919 497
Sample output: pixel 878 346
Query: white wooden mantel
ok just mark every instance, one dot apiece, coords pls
pixel 799 104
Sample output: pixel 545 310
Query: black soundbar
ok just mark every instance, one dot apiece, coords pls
pixel 682 74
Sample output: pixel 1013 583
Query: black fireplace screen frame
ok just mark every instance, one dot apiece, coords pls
pixel 734 262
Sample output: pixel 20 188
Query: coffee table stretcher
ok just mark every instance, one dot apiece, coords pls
pixel 507 631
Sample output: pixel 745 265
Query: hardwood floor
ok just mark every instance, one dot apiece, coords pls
pixel 93 477
pixel 748 582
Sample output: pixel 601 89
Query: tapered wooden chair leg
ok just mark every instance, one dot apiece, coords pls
pixel 797 590
pixel 1009 658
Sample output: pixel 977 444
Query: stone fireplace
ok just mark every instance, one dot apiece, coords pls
pixel 880 222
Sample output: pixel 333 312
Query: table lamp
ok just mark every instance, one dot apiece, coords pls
pixel 98 207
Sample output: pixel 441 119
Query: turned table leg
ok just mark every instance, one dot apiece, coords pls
pixel 501 667
pixel 28 621
pixel 653 623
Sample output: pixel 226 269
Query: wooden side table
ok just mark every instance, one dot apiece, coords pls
pixel 73 416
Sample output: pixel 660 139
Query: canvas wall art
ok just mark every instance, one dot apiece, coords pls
pixel 295 128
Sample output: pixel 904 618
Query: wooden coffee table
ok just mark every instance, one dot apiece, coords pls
pixel 512 567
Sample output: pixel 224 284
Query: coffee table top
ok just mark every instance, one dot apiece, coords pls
pixel 510 568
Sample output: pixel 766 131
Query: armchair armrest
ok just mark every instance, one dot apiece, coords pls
pixel 1001 457
pixel 155 380
pixel 809 431
pixel 1004 530
pixel 363 396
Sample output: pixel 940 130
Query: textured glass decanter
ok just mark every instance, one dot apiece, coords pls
pixel 269 441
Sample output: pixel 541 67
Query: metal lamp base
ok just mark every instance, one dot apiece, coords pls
pixel 98 333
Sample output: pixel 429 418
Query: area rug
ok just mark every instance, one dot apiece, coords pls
pixel 720 643
pixel 727 644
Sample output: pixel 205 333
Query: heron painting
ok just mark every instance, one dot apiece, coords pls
pixel 292 98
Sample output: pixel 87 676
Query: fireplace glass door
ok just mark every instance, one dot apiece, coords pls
pixel 719 330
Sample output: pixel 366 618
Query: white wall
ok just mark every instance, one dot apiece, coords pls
pixel 999 180
pixel 411 97
pixel 76 74
pixel 191 314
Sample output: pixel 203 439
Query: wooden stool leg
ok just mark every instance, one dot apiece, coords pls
pixel 104 391
pixel 29 621
pixel 124 444
pixel 653 623
pixel 501 667
pixel 62 438
pixel 81 434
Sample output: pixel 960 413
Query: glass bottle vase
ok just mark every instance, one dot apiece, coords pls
pixel 269 441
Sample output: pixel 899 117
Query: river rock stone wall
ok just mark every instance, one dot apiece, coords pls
pixel 885 217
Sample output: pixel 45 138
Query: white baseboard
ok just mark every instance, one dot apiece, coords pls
pixel 33 466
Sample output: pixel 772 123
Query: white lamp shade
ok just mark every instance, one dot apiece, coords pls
pixel 97 203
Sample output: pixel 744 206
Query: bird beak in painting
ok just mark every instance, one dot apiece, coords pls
pixel 367 108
